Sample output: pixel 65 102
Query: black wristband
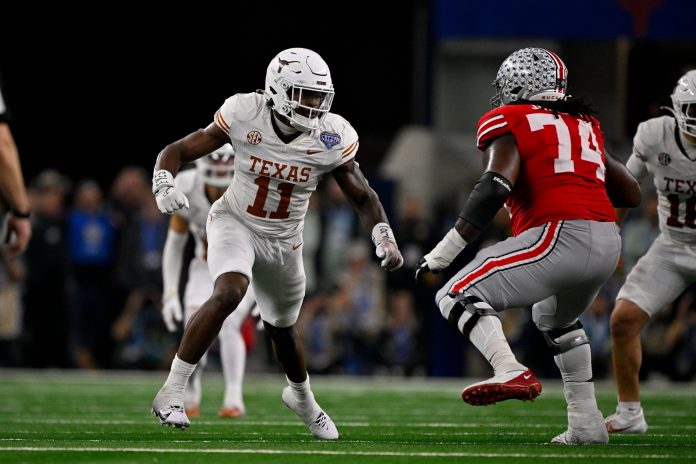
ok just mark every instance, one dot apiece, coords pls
pixel 20 215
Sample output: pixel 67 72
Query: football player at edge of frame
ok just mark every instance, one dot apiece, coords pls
pixel 285 140
pixel 666 148
pixel 202 186
pixel 544 159
pixel 15 223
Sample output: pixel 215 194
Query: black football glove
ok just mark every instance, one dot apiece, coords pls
pixel 422 269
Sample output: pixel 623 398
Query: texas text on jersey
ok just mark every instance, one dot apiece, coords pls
pixel 563 165
pixel 274 180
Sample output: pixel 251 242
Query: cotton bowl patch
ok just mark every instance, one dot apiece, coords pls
pixel 330 139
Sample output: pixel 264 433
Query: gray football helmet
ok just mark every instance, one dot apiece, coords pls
pixel 684 103
pixel 531 74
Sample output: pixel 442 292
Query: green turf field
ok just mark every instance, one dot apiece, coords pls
pixel 68 417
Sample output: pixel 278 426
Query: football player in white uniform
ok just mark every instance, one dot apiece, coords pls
pixel 285 140
pixel 666 148
pixel 202 186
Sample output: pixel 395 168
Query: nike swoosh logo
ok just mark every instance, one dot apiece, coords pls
pixel 295 247
pixel 612 429
pixel 312 152
pixel 526 377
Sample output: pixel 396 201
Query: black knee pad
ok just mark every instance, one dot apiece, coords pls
pixel 564 345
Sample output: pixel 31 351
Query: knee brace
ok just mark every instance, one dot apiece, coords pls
pixel 561 340
pixel 464 311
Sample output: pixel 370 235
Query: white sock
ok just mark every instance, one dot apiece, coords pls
pixel 488 337
pixel 233 359
pixel 629 408
pixel 580 396
pixel 192 396
pixel 302 390
pixel 179 375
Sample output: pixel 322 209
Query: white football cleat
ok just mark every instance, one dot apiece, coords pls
pixel 170 411
pixel 319 423
pixel 587 429
pixel 625 423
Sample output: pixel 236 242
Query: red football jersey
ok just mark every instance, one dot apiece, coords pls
pixel 562 169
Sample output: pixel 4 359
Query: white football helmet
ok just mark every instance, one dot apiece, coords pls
pixel 531 74
pixel 684 103
pixel 298 83
pixel 217 168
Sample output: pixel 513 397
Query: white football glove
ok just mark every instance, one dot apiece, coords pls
pixel 169 199
pixel 171 311
pixel 443 254
pixel 385 247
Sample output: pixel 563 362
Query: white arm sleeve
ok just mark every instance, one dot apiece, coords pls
pixel 637 167
pixel 172 259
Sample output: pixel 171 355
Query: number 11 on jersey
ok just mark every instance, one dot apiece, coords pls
pixel 281 212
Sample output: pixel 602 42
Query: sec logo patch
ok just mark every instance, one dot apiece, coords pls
pixel 254 137
pixel 664 159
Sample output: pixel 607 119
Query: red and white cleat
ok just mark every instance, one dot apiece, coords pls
pixel 514 385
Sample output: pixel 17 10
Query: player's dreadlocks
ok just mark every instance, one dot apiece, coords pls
pixel 569 104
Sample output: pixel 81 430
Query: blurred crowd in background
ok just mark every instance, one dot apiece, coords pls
pixel 87 292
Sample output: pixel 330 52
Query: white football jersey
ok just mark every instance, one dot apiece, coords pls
pixel 274 180
pixel 191 184
pixel 659 148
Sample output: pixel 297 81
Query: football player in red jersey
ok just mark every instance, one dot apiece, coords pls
pixel 544 159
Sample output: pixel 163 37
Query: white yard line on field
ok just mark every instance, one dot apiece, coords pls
pixel 250 423
pixel 535 455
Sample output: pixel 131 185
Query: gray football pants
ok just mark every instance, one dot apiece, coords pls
pixel 558 268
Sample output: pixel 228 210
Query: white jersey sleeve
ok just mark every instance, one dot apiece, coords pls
pixel 636 162
pixel 237 108
pixel 348 136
